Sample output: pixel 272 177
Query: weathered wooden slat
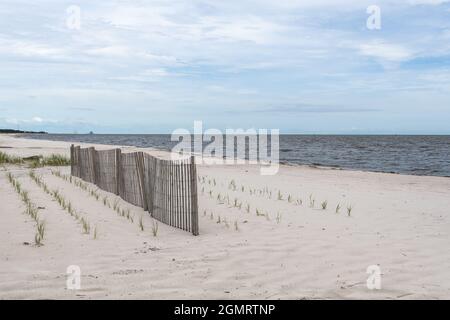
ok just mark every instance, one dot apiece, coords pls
pixel 156 192
pixel 193 192
pixel 180 193
pixel 72 158
pixel 159 189
pixel 117 154
pixel 167 180
pixel 164 191
pixel 78 156
pixel 177 204
pixel 152 175
pixel 91 156
pixel 140 171
pixel 185 198
pixel 188 195
pixel 172 194
pixel 169 193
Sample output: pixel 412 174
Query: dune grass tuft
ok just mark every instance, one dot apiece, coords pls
pixel 41 229
pixel 312 201
pixel 86 226
pixel 280 196
pixel 94 193
pixel 349 210
pixel 30 209
pixel 278 218
pixel 141 223
pixel 35 161
pixel 338 207
pixel 8 159
pixel 66 205
pixel 155 228
pixel 54 160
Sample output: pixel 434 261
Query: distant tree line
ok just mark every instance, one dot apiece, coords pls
pixel 20 131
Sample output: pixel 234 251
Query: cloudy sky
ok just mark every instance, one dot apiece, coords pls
pixel 303 66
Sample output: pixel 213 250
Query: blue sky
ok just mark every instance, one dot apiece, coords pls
pixel 153 66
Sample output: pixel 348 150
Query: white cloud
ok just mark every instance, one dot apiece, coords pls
pixel 428 2
pixel 111 51
pixel 242 28
pixel 156 72
pixel 12 121
pixel 33 120
pixel 149 75
pixel 29 48
pixel 380 49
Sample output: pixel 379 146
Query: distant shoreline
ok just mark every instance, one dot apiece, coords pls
pixel 10 131
pixel 413 155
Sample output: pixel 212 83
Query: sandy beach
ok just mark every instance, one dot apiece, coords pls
pixel 279 244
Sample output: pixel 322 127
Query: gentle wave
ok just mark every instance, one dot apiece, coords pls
pixel 417 155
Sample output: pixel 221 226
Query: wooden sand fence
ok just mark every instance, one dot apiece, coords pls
pixel 165 188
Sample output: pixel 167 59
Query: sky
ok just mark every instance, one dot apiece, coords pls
pixel 301 66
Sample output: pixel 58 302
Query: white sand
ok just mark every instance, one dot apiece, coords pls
pixel 398 222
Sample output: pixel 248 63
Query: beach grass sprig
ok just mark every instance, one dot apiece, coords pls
pixel 30 209
pixel 279 196
pixel 65 204
pixel 278 218
pixel 54 160
pixel 94 193
pixel 9 159
pixel 141 223
pixel 349 210
pixel 155 228
pixel 338 207
pixel 312 201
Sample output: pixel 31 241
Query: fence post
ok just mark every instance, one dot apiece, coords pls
pixel 140 170
pixel 156 210
pixel 96 167
pixel 155 188
pixel 151 191
pixel 72 158
pixel 92 164
pixel 78 148
pixel 118 170
pixel 194 200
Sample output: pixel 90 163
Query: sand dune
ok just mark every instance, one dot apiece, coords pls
pixel 284 247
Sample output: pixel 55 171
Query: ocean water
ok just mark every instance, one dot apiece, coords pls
pixel 417 155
